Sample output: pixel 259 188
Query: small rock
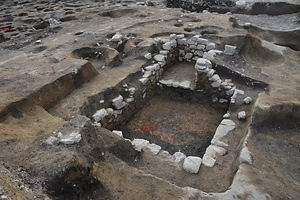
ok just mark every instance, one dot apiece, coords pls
pixel 188 56
pixel 144 80
pixel 100 114
pixel 245 156
pixel 138 144
pixel 242 115
pixel 129 100
pixel 210 46
pixel 229 50
pixel 154 67
pixel 118 102
pixel 110 111
pixel 192 164
pixel 180 36
pixel 154 148
pixel 182 41
pixel 202 41
pixel 164 52
pixel 214 78
pixel 167 46
pixel 208 161
pixel 147 74
pixel 216 84
pixel 179 156
pixel 247 100
pixel 117 37
pixel 226 116
pixel 148 56
pixel 210 73
pixel 72 138
pixel 52 140
pixel 119 133
pixel 131 90
pixel 247 24
pixel 159 58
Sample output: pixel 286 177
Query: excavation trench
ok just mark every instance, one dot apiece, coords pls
pixel 177 120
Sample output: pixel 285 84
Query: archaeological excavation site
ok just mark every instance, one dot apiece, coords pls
pixel 150 100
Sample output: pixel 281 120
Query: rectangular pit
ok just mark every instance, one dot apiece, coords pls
pixel 177 120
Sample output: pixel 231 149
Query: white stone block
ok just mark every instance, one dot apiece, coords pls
pixel 184 84
pixel 226 116
pixel 159 58
pixel 117 37
pixel 118 102
pixel 52 140
pixel 154 67
pixel 119 133
pixel 202 41
pixel 241 4
pixel 195 58
pixel 100 114
pixel 195 38
pixel 131 90
pixel 199 53
pixel 148 56
pixel 173 36
pixel 200 67
pixel 180 36
pixel 214 78
pixel 204 62
pixel 229 50
pixel 138 144
pixel 182 41
pixel 210 46
pixel 71 138
pixel 192 164
pixel 191 42
pixel 210 73
pixel 208 161
pixel 164 52
pixel 129 100
pixel 144 80
pixel 245 156
pixel 193 46
pixel 167 46
pixel 247 100
pixel 223 129
pixel 188 56
pixel 216 84
pixel 242 115
pixel 200 46
pixel 154 148
pixel 147 74
pixel 179 156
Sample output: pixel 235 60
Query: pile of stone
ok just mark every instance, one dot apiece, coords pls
pixel 205 73
pixel 195 49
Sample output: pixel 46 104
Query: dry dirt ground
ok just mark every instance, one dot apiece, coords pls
pixel 57 62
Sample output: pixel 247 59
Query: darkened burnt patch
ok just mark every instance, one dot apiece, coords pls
pixel 76 183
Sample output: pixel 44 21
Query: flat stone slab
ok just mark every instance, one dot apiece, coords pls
pixel 223 129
